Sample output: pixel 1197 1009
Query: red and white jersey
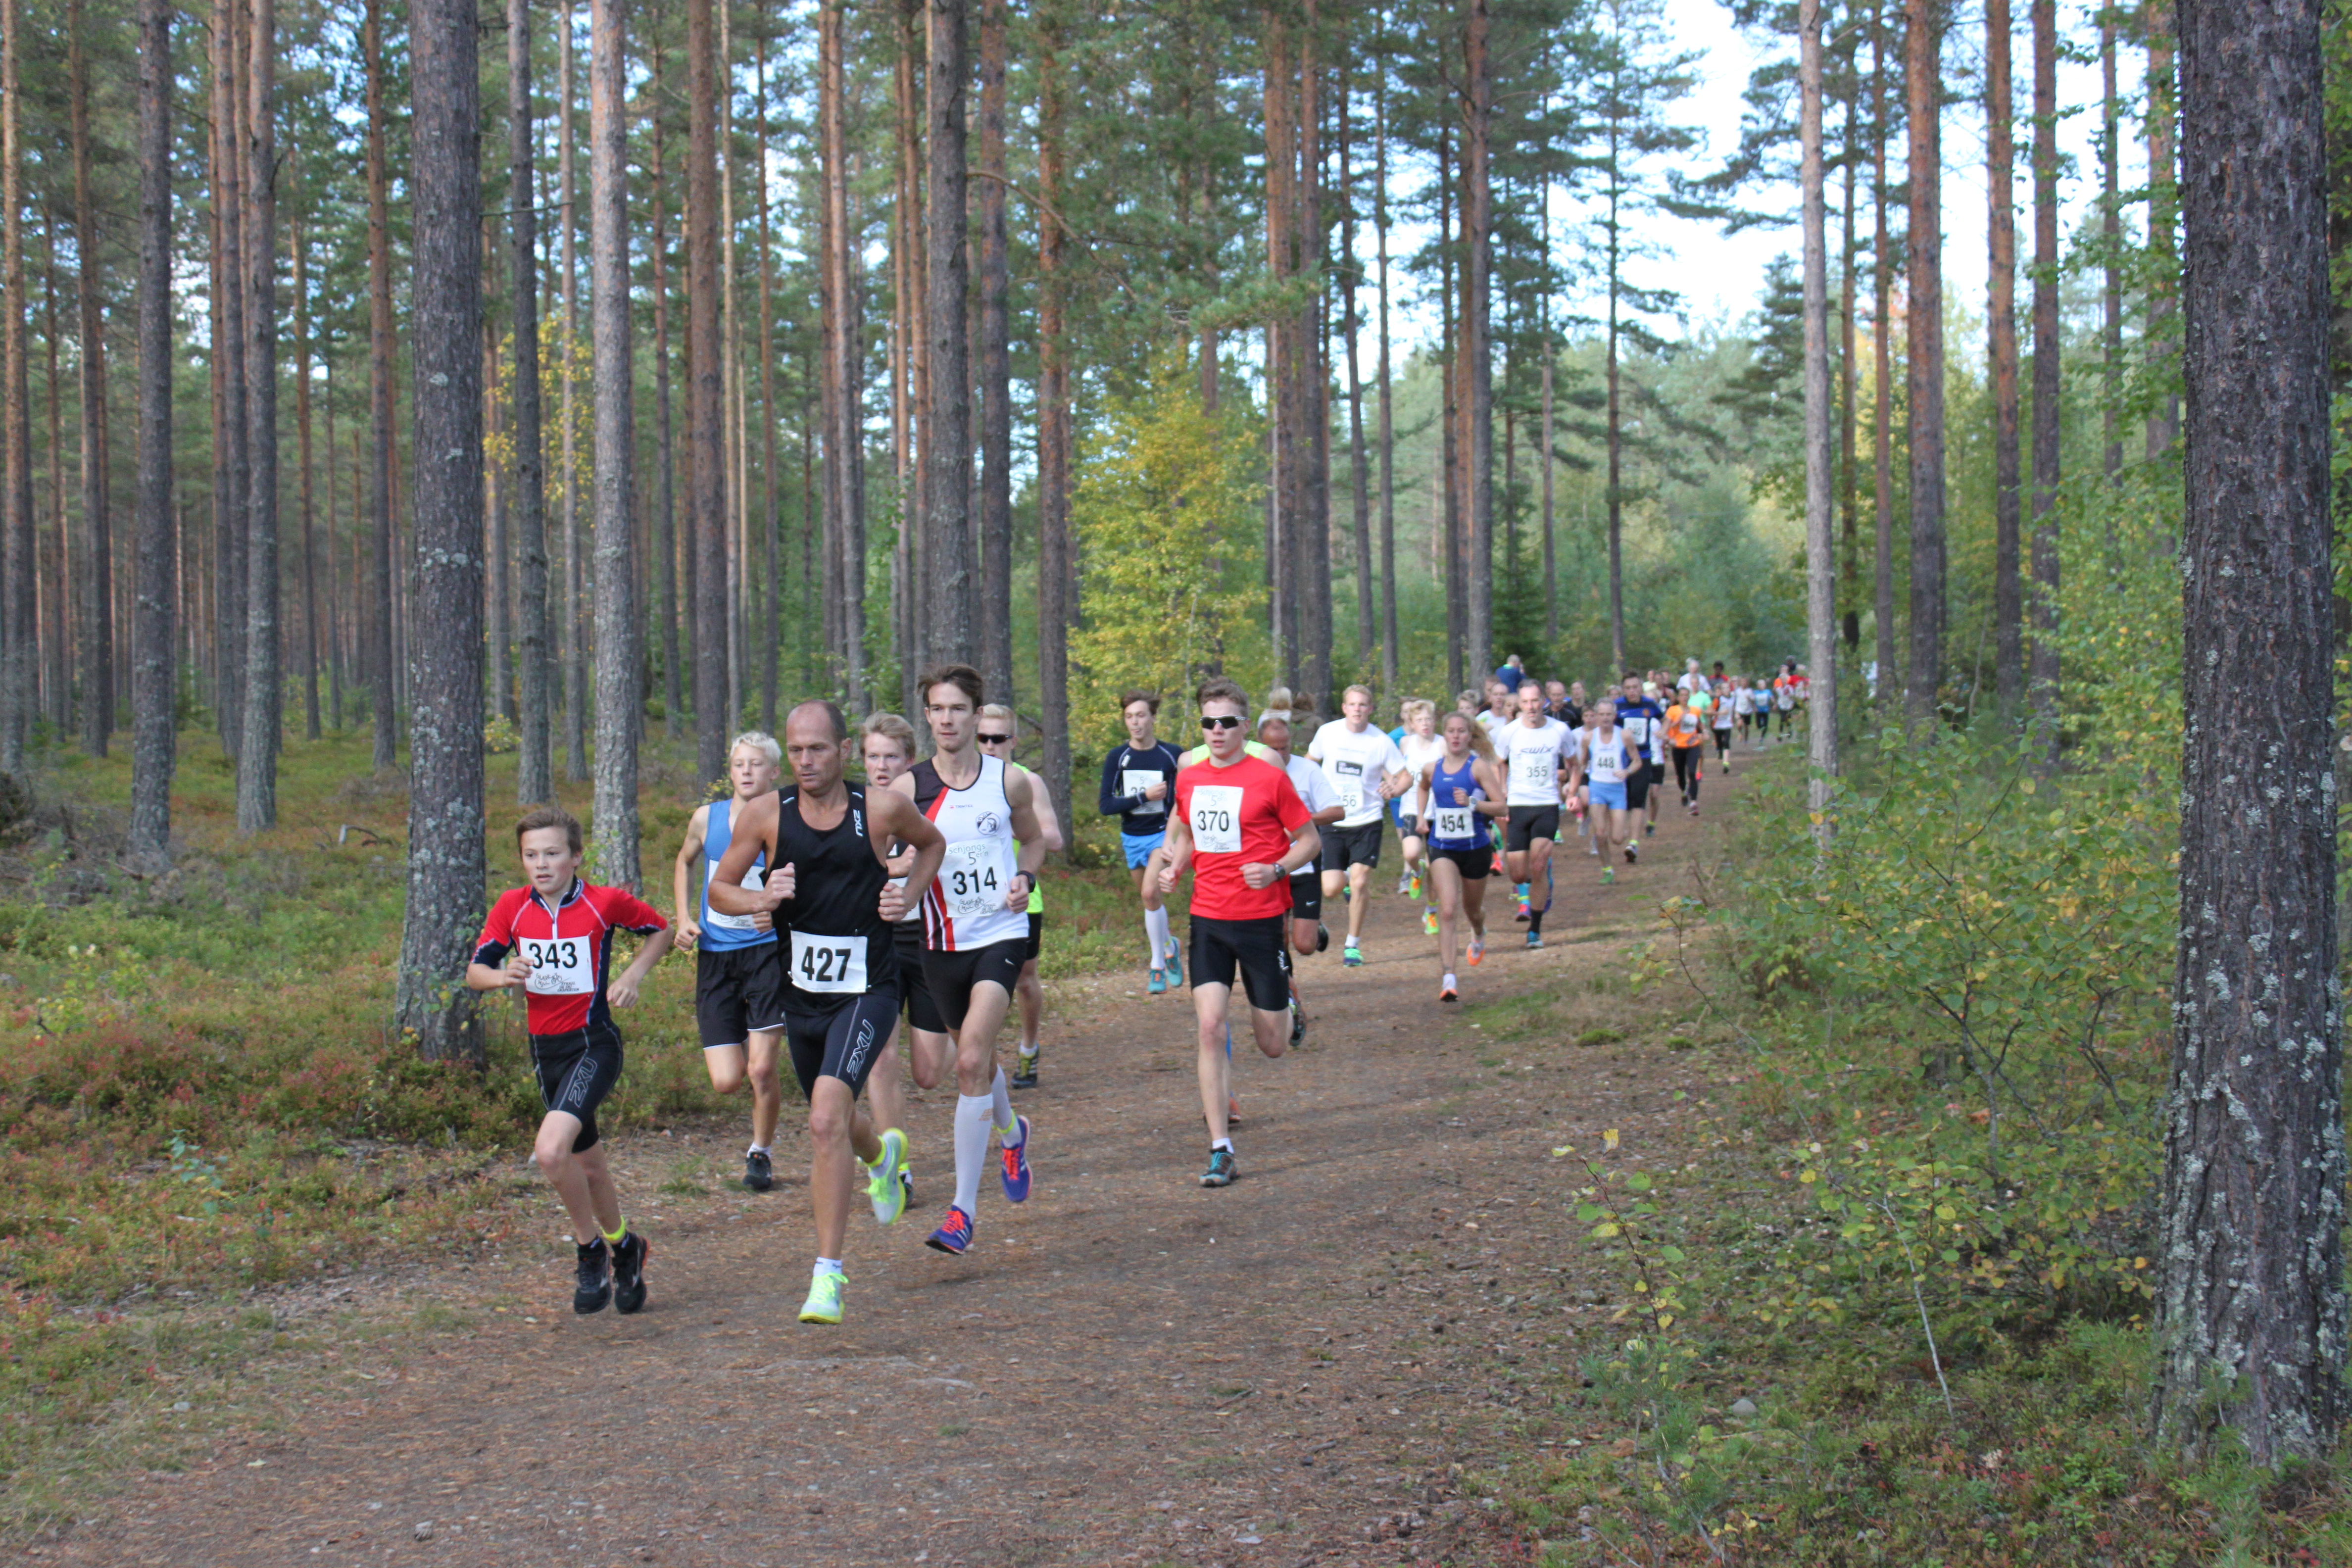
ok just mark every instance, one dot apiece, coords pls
pixel 570 947
pixel 964 907
pixel 1239 816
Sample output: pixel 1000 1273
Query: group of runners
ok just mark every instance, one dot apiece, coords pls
pixel 822 907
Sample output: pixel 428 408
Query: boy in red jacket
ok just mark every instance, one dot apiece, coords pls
pixel 554 941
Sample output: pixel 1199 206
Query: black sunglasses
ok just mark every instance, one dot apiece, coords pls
pixel 987 739
pixel 1221 721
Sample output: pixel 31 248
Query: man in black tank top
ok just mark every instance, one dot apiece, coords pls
pixel 835 905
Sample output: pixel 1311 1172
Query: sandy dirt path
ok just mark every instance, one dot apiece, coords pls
pixel 1309 1367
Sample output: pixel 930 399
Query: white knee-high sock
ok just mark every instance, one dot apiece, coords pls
pixel 1155 929
pixel 1000 1100
pixel 971 1148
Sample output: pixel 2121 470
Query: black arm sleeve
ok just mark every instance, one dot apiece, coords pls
pixel 1113 805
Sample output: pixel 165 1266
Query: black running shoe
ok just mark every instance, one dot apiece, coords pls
pixel 1024 1068
pixel 596 1286
pixel 1322 937
pixel 1298 1021
pixel 629 1273
pixel 1220 1172
pixel 759 1171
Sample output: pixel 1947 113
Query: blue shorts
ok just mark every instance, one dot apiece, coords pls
pixel 1140 845
pixel 1609 794
pixel 1407 825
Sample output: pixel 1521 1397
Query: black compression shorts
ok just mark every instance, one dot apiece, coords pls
pixel 1347 847
pixel 914 981
pixel 1637 787
pixel 952 975
pixel 576 1071
pixel 1530 823
pixel 1475 865
pixel 1306 894
pixel 1252 947
pixel 842 1042
pixel 1037 936
pixel 737 992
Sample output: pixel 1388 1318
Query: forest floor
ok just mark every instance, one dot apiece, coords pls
pixel 1331 1361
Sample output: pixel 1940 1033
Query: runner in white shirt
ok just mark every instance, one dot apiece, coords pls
pixel 1367 771
pixel 1306 930
pixel 1532 749
pixel 1606 759
pixel 1419 743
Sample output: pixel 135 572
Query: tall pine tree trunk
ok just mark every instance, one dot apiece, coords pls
pixel 380 690
pixel 947 431
pixel 232 535
pixel 1358 466
pixel 1821 565
pixel 1055 550
pixel 573 632
pixel 2252 1315
pixel 445 863
pixel 995 610
pixel 2162 332
pixel 771 493
pixel 1849 478
pixel 844 479
pixel 908 583
pixel 17 651
pixel 2000 162
pixel 665 539
pixel 1390 655
pixel 257 756
pixel 1924 319
pixel 2044 672
pixel 95 619
pixel 155 740
pixel 311 726
pixel 620 713
pixel 2111 244
pixel 534 763
pixel 706 470
pixel 1882 375
pixel 1478 345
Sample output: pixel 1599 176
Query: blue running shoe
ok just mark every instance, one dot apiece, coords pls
pixel 1175 969
pixel 1016 1164
pixel 1158 984
pixel 1351 956
pixel 954 1233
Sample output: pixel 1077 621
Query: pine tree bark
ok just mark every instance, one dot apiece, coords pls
pixel 1359 460
pixel 1478 345
pixel 573 636
pixel 1309 361
pixel 446 868
pixel 534 764
pixel 19 652
pixel 380 690
pixel 995 609
pixel 1882 375
pixel 95 619
pixel 2000 162
pixel 2162 333
pixel 2251 1314
pixel 231 534
pixel 1849 476
pixel 154 682
pixel 1055 551
pixel 844 485
pixel 265 696
pixel 498 552
pixel 311 726
pixel 620 712
pixel 1390 655
pixel 907 584
pixel 334 639
pixel 2111 244
pixel 1820 563
pixel 947 446
pixel 666 538
pixel 1924 374
pixel 771 493
pixel 2042 675
pixel 705 386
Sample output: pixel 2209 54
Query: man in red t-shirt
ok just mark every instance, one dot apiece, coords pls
pixel 1239 824
pixel 553 942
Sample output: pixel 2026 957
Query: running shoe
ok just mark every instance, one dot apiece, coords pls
pixel 1477 949
pixel 1428 923
pixel 759 1171
pixel 1608 873
pixel 1413 891
pixel 1220 1172
pixel 1523 914
pixel 1024 1068
pixel 887 1186
pixel 1016 1163
pixel 1297 1021
pixel 1633 853
pixel 1175 967
pixel 1322 937
pixel 907 1181
pixel 954 1234
pixel 1445 991
pixel 1232 1111
pixel 1352 955
pixel 1158 984
pixel 1650 829
pixel 629 1274
pixel 1404 885
pixel 823 1303
pixel 1535 940
pixel 1347 892
pixel 596 1286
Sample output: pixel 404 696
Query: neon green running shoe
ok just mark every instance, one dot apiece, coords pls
pixel 883 1187
pixel 823 1303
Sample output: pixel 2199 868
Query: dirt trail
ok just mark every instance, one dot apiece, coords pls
pixel 1128 1368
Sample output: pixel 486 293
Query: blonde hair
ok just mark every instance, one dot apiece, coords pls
pixel 996 710
pixel 1482 745
pixel 1414 707
pixel 891 728
pixel 761 741
pixel 1278 698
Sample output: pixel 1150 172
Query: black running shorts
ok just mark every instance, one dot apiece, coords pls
pixel 1530 823
pixel 576 1071
pixel 914 982
pixel 1037 936
pixel 1346 847
pixel 1253 947
pixel 1306 894
pixel 842 1042
pixel 1637 787
pixel 1475 865
pixel 737 992
pixel 952 975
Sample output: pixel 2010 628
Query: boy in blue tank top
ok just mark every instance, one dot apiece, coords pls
pixel 738 981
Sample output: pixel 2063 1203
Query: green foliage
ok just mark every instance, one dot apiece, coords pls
pixel 1166 515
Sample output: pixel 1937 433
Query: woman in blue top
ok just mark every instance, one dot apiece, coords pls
pixel 1461 791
